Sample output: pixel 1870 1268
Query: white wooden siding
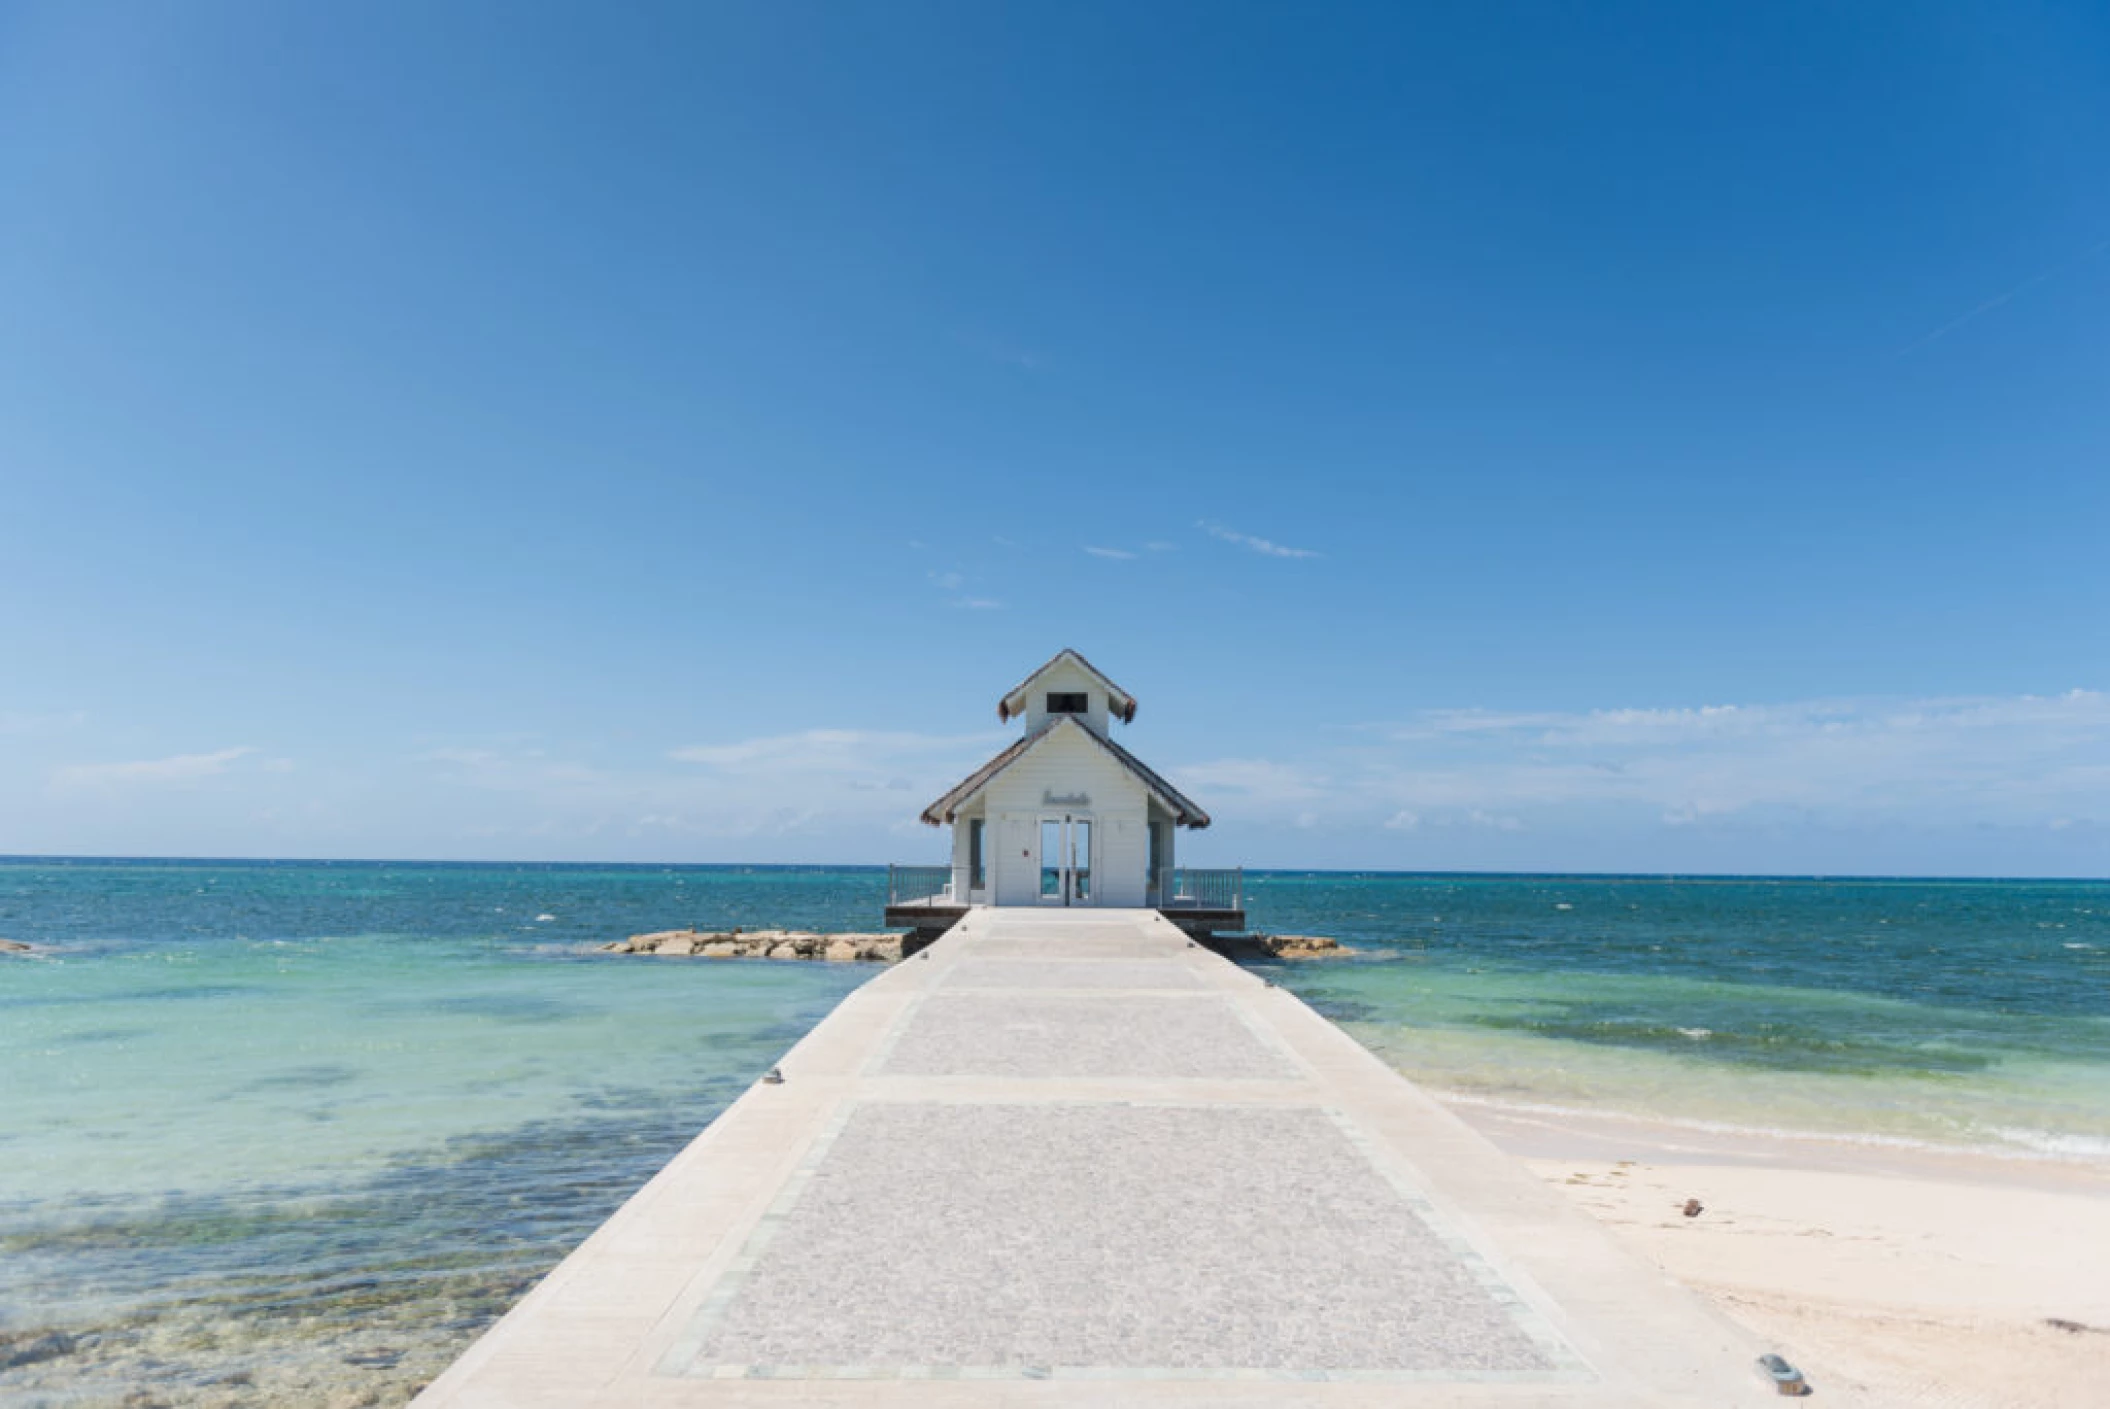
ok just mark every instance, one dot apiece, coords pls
pixel 1066 764
pixel 1065 678
pixel 1124 857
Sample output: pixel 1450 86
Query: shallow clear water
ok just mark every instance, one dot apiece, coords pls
pixel 1969 1013
pixel 313 1128
pixel 283 1133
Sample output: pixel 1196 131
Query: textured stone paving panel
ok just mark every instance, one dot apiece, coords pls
pixel 1055 973
pixel 1080 942
pixel 1127 1237
pixel 973 1034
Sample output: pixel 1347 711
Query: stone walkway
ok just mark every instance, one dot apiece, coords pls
pixel 1067 1157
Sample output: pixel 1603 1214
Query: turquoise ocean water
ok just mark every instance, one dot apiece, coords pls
pixel 296 1133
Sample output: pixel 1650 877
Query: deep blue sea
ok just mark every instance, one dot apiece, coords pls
pixel 296 1133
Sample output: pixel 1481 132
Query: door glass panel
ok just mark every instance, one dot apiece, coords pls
pixel 1051 858
pixel 1081 858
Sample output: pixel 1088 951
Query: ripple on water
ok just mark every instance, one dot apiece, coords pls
pixel 317 1077
pixel 295 1294
pixel 307 1138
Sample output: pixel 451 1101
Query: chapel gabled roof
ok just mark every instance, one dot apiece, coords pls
pixel 1119 702
pixel 1184 810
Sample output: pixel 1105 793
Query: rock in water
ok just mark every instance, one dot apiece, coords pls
pixel 884 946
pixel 1302 946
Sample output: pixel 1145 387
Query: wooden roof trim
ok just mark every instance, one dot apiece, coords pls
pixel 945 808
pixel 1119 701
pixel 1184 811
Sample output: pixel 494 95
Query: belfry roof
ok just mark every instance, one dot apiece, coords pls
pixel 1118 701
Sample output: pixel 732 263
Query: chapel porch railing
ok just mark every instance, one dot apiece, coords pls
pixel 1191 889
pixel 919 885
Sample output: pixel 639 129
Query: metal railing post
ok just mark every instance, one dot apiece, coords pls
pixel 910 885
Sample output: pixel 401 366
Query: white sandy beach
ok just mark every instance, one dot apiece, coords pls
pixel 1891 1276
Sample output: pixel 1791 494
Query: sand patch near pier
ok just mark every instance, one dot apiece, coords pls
pixel 1891 1277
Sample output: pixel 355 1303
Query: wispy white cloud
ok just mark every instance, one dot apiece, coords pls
pixel 870 776
pixel 839 750
pixel 178 768
pixel 795 787
pixel 1121 554
pixel 1265 547
pixel 2003 760
pixel 1269 786
pixel 510 769
pixel 467 758
pixel 952 582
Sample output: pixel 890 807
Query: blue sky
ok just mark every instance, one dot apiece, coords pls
pixel 1530 437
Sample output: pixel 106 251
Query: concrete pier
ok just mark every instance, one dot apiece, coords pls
pixel 1067 1157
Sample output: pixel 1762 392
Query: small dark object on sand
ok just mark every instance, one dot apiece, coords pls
pixel 2073 1328
pixel 1693 1208
pixel 773 1077
pixel 1785 1377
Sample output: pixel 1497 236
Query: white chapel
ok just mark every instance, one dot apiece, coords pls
pixel 1064 816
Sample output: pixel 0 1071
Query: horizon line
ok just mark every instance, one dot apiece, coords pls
pixel 32 858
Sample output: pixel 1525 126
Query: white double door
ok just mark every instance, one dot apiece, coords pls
pixel 1066 840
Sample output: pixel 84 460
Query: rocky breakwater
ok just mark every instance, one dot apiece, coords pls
pixel 1303 946
pixel 1278 946
pixel 16 946
pixel 882 948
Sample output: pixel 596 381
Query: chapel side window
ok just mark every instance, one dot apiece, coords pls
pixel 1062 702
pixel 1157 856
pixel 974 855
